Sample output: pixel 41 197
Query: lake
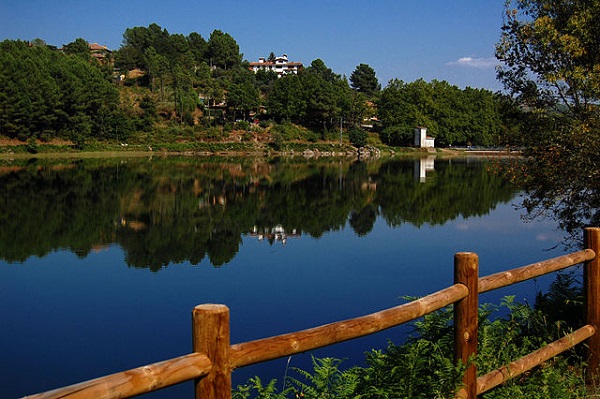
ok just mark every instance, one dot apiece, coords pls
pixel 103 260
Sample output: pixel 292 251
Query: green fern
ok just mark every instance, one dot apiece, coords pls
pixel 326 380
pixel 423 366
pixel 255 389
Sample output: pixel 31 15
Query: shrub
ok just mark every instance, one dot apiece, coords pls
pixel 213 133
pixel 278 141
pixel 358 137
pixel 289 131
pixel 242 125
pixel 32 146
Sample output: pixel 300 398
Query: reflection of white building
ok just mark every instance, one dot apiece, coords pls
pixel 422 166
pixel 273 234
pixel 281 66
pixel 422 140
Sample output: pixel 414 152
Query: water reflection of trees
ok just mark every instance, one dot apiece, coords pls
pixel 175 210
pixel 562 183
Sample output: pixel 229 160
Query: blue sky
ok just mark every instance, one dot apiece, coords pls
pixel 450 40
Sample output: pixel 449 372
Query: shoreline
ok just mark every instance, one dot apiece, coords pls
pixel 65 150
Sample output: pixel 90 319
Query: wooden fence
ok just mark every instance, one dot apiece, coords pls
pixel 214 358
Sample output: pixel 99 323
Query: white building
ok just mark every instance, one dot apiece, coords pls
pixel 422 140
pixel 281 66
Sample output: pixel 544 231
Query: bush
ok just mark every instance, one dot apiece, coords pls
pixel 289 131
pixel 213 133
pixel 278 141
pixel 32 146
pixel 311 137
pixel 242 125
pixel 358 137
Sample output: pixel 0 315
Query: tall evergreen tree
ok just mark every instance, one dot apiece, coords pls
pixel 364 80
pixel 223 50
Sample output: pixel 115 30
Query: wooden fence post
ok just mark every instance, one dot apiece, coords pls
pixel 210 334
pixel 466 271
pixel 591 284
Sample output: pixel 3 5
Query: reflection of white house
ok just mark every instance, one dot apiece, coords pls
pixel 281 66
pixel 421 138
pixel 273 234
pixel 422 166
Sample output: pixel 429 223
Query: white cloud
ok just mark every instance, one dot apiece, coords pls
pixel 470 62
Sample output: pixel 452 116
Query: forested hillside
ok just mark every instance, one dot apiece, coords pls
pixel 163 86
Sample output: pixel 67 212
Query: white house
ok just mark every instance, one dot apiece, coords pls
pixel 421 138
pixel 281 65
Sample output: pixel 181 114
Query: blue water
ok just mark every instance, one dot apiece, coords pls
pixel 66 319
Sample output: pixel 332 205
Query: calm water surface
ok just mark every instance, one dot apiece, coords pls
pixel 101 262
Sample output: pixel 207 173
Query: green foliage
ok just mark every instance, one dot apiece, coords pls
pixel 179 68
pixel 289 131
pixel 223 50
pixel 285 102
pixel 550 54
pixel 358 137
pixel 364 80
pixel 242 125
pixel 423 366
pixel 396 135
pixel 243 97
pixel 32 146
pixel 255 389
pixel 45 91
pixel 316 98
pixel 453 116
pixel 563 302
pixel 184 79
pixel 522 331
pixel 148 117
pixel 79 47
pixel 326 381
pixel 549 51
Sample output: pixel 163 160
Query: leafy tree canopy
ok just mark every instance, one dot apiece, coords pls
pixel 187 77
pixel 551 61
pixel 78 47
pixel 551 54
pixel 45 93
pixel 453 116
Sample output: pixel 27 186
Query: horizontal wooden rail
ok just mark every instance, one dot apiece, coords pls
pixel 265 349
pixel 494 378
pixel 135 381
pixel 518 367
pixel 513 276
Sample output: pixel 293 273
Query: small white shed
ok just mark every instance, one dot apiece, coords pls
pixel 422 140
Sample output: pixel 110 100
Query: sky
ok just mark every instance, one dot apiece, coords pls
pixel 451 40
